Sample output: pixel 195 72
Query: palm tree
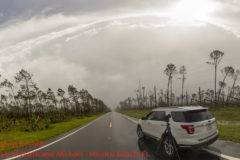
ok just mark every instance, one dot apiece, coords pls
pixel 170 71
pixel 215 57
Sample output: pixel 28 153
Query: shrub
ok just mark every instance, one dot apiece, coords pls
pixel 6 125
pixel 35 124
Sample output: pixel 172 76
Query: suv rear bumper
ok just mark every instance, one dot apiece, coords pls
pixel 207 143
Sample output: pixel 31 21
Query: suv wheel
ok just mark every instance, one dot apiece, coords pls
pixel 169 146
pixel 140 132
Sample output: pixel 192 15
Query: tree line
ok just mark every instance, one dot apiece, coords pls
pixel 25 100
pixel 222 93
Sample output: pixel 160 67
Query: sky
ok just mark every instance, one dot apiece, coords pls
pixel 107 46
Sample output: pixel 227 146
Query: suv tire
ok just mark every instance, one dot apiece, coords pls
pixel 169 145
pixel 140 132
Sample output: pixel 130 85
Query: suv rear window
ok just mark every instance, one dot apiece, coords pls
pixel 192 116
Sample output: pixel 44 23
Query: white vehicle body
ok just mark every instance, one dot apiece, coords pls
pixel 191 127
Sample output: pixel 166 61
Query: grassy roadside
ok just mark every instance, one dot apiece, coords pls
pixel 223 114
pixel 229 132
pixel 226 113
pixel 226 132
pixel 37 136
pixel 135 113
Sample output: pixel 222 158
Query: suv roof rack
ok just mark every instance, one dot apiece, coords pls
pixel 179 108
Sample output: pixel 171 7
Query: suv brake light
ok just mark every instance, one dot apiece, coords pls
pixel 189 128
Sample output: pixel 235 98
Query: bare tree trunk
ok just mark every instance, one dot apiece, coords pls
pixel 215 87
pixel 200 97
pixel 220 90
pixel 14 96
pixel 140 94
pixel 171 99
pixel 186 98
pixel 155 96
pixel 28 98
pixel 183 78
pixel 223 100
pixel 143 88
pixel 168 92
pixel 231 91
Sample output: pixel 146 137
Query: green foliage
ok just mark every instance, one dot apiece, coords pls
pixel 226 113
pixel 56 118
pixel 6 125
pixel 35 124
pixel 30 101
pixel 135 113
pixel 47 123
pixel 229 132
pixel 55 129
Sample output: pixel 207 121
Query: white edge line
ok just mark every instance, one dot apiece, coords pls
pixel 49 144
pixel 220 154
pixel 205 149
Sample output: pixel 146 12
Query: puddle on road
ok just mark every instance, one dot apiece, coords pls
pixel 156 152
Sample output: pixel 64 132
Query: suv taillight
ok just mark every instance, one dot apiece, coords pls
pixel 189 128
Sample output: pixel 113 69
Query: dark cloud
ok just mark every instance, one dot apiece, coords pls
pixel 25 9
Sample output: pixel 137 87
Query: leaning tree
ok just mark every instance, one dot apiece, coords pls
pixel 25 78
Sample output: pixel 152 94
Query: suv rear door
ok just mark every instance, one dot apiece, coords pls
pixel 204 123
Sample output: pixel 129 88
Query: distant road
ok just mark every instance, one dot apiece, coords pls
pixel 101 137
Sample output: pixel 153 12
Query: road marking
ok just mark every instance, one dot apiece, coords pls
pixel 220 154
pixel 205 149
pixel 88 124
pixel 131 119
pixel 110 125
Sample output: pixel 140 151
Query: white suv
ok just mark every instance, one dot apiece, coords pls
pixel 191 127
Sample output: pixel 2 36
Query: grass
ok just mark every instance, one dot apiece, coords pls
pixel 229 132
pixel 223 114
pixel 37 136
pixel 226 113
pixel 226 132
pixel 135 113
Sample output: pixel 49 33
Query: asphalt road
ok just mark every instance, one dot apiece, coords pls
pixel 118 142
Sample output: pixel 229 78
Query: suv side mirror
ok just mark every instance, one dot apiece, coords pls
pixel 143 118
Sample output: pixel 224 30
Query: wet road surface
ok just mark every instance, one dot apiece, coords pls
pixel 98 141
